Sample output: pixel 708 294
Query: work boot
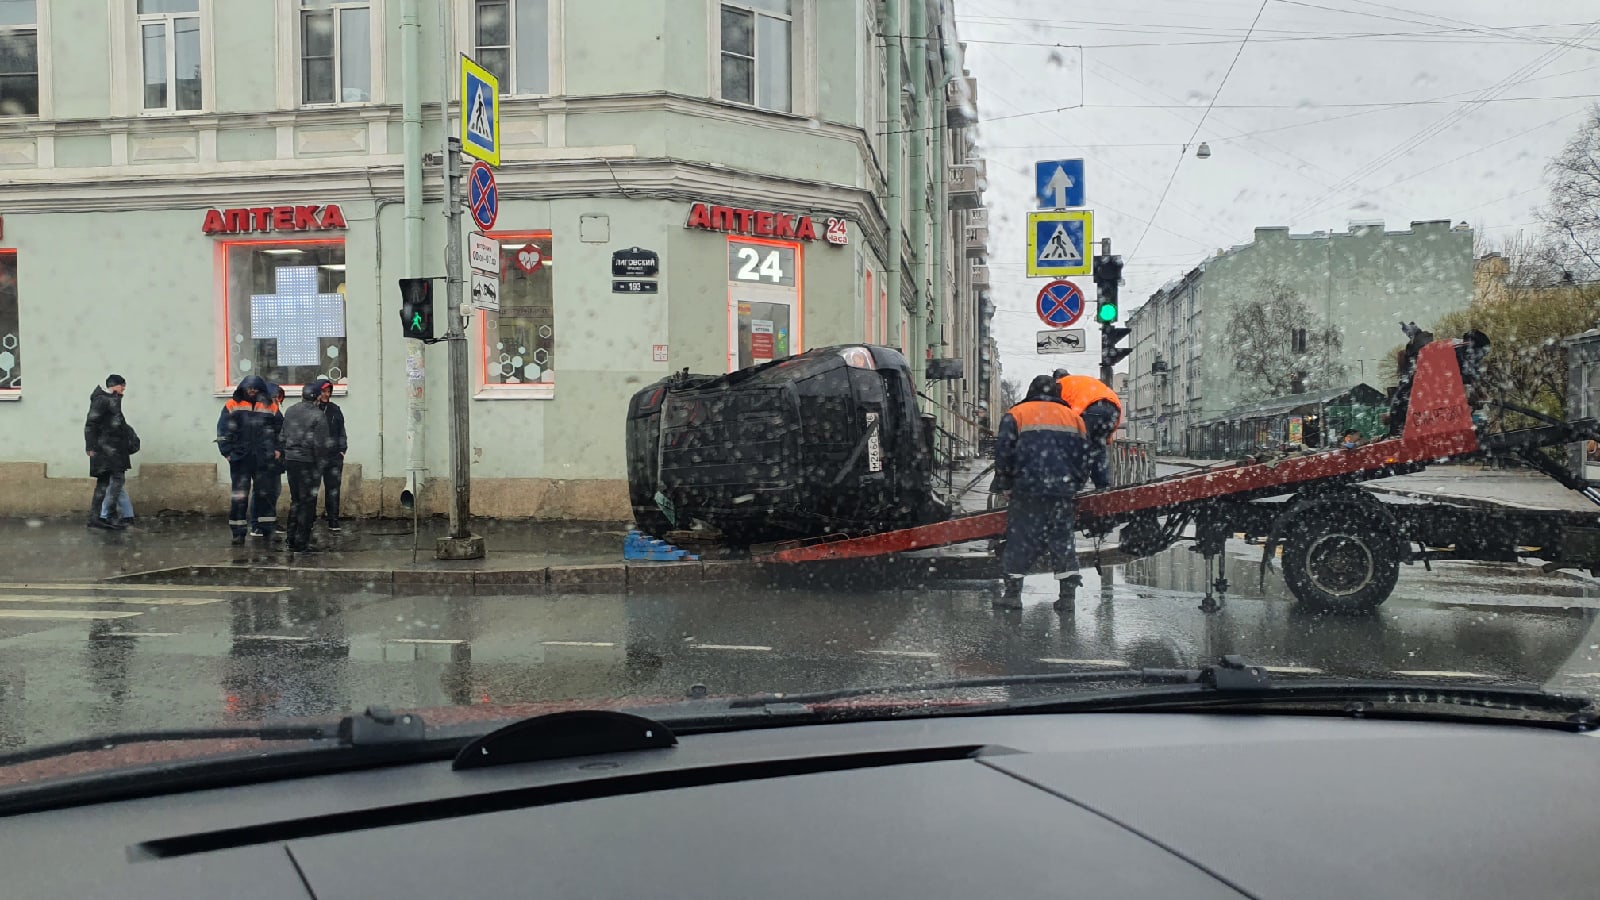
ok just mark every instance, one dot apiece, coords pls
pixel 1011 596
pixel 1069 592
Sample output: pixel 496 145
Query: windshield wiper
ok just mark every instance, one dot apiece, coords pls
pixel 1234 685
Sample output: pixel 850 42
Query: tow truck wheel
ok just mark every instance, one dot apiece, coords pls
pixel 1338 561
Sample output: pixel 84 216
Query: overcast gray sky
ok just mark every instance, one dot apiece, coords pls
pixel 1320 121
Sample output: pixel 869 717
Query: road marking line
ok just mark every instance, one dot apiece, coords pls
pixel 424 641
pixel 272 637
pixel 1432 673
pixel 756 647
pixel 139 634
pixel 1084 662
pixel 138 601
pixel 1292 670
pixel 65 614
pixel 582 644
pixel 144 588
pixel 912 654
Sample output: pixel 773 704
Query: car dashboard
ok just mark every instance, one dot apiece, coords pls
pixel 1089 805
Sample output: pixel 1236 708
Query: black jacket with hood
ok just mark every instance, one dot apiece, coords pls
pixel 107 435
pixel 305 430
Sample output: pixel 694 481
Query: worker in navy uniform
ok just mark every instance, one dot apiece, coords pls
pixel 333 467
pixel 1100 408
pixel 1043 456
pixel 247 435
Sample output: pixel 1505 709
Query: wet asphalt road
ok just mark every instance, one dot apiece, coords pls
pixel 97 659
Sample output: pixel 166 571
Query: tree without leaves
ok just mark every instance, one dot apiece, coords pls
pixel 1261 333
pixel 1010 393
pixel 1526 317
pixel 1572 215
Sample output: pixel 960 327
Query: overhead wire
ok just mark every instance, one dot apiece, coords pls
pixel 1198 125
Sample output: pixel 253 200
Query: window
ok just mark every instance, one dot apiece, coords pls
pixel 10 325
pixel 519 341
pixel 764 301
pixel 19 58
pixel 512 40
pixel 1297 340
pixel 335 52
pixel 756 61
pixel 286 311
pixel 169 35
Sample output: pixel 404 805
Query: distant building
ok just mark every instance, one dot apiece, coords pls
pixel 1340 297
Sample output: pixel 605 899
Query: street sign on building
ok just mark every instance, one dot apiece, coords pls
pixel 1065 340
pixel 1058 183
pixel 483 197
pixel 480 112
pixel 635 262
pixel 635 286
pixel 485 291
pixel 1058 243
pixel 1059 304
pixel 483 253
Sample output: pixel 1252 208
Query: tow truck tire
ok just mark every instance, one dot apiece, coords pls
pixel 1341 560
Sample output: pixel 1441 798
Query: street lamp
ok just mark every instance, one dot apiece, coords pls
pixel 1203 151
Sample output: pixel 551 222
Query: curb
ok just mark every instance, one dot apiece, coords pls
pixel 600 578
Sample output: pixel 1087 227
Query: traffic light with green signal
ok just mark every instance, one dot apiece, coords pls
pixel 416 308
pixel 1107 278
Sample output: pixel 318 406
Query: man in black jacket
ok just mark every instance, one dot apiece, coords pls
pixel 333 469
pixel 306 447
pixel 108 441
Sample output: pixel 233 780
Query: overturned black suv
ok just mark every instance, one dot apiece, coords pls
pixel 827 442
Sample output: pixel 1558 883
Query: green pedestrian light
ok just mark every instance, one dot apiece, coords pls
pixel 416 308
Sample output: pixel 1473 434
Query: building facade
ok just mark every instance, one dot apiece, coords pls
pixel 1349 293
pixel 189 198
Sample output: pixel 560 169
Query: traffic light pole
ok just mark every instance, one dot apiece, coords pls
pixel 460 543
pixel 1105 327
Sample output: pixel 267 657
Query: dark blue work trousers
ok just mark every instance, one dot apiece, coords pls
pixel 1040 527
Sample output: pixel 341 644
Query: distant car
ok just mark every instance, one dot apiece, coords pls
pixel 827 442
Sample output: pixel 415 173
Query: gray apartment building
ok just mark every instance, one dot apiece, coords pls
pixel 1326 307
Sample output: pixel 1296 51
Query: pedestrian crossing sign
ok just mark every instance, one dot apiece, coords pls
pixel 1059 243
pixel 480 112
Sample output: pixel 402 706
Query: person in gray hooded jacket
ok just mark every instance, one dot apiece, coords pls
pixel 306 448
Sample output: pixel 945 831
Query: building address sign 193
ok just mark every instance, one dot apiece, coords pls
pixel 261 219
pixel 763 223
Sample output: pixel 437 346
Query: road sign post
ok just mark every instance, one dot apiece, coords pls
pixel 1059 243
pixel 479 138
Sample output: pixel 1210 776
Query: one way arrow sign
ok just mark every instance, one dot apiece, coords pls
pixel 1059 183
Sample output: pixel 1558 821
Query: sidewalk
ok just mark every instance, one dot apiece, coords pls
pixel 63 550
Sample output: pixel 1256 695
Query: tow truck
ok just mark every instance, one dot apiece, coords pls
pixel 1342 547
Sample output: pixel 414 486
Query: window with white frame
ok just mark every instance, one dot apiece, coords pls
pixel 335 51
pixel 757 64
pixel 169 39
pixel 19 58
pixel 511 38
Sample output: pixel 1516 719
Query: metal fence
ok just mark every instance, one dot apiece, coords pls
pixel 1131 462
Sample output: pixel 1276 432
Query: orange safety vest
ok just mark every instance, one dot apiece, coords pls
pixel 1080 390
pixel 1044 415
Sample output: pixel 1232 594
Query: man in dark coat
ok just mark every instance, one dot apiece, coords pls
pixel 333 469
pixel 306 450
pixel 109 441
pixel 247 435
pixel 1043 455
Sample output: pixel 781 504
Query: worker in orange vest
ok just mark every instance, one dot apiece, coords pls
pixel 1100 408
pixel 1042 457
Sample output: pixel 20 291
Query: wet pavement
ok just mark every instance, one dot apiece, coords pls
pixel 95 658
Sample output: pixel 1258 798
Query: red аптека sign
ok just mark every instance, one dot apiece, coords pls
pixel 263 219
pixel 756 223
